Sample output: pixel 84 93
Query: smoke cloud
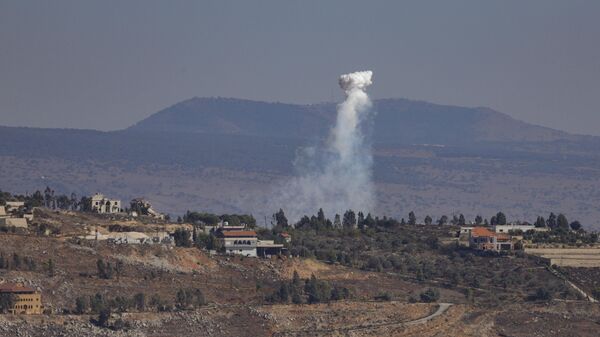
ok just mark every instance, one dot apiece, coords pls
pixel 338 175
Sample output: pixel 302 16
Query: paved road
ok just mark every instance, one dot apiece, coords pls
pixel 441 309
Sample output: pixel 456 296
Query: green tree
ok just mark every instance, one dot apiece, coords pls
pixel 81 305
pixel 429 295
pixel 575 225
pixel 551 222
pixel 461 220
pixel 16 261
pixel 412 218
pixel 96 303
pixel 442 220
pixel 562 222
pixel 478 220
pixel 540 222
pixel 119 269
pixel 280 218
pixel 428 220
pixel 103 317
pixel 337 222
pixel 139 301
pixel 50 268
pixel 349 219
pixel 361 221
pixel 500 218
pixel 104 270
pixel 7 302
pixel 182 238
pixel 321 217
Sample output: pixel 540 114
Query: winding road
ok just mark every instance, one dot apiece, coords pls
pixel 442 307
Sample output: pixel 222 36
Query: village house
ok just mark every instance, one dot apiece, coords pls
pixel 517 227
pixel 240 241
pixel 482 238
pixel 27 300
pixel 133 238
pixel 10 218
pixel 101 204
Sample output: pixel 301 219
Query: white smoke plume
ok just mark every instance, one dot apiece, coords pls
pixel 337 177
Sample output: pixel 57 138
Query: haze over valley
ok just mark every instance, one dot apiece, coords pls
pixel 231 155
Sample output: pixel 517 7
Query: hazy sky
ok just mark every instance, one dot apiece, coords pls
pixel 107 64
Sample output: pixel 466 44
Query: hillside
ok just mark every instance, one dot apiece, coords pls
pixel 476 294
pixel 395 121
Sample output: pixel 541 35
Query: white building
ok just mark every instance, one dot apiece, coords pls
pixel 101 204
pixel 148 238
pixel 513 227
pixel 240 242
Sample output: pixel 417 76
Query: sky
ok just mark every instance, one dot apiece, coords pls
pixel 107 64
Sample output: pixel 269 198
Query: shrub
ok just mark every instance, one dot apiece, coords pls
pixel 429 295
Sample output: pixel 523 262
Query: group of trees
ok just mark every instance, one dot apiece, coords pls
pixel 557 222
pixel 49 199
pixel 319 222
pixel 7 302
pixel 351 220
pixel 309 291
pixel 200 218
pixel 98 303
pixel 107 271
pixel 16 262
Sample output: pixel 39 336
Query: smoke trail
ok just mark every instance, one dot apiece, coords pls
pixel 337 177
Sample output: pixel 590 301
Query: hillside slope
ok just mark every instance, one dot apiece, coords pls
pixel 394 120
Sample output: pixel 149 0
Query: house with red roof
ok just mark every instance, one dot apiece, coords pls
pixel 482 238
pixel 240 242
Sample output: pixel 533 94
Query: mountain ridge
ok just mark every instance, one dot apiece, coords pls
pixel 396 120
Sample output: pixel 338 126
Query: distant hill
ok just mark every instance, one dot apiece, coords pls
pixel 395 121
pixel 228 155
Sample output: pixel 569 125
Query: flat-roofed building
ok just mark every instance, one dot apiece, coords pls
pixel 14 222
pixel 240 242
pixel 14 205
pixel 514 227
pixel 27 300
pixel 266 248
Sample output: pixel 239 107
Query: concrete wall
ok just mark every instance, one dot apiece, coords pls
pixel 568 257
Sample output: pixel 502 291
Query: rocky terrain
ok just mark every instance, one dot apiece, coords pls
pixel 235 289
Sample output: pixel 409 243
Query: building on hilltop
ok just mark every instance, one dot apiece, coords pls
pixel 27 300
pixel 140 206
pixel 268 248
pixel 102 205
pixel 516 227
pixel 240 242
pixel 482 238
pixel 11 215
